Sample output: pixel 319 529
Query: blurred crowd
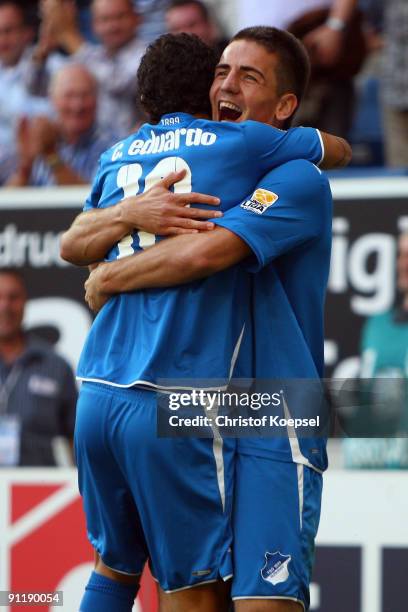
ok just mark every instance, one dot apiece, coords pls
pixel 68 68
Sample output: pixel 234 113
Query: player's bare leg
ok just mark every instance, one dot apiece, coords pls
pixel 212 597
pixel 109 590
pixel 269 605
pixel 104 570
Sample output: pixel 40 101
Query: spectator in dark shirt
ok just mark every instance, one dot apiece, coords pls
pixel 37 387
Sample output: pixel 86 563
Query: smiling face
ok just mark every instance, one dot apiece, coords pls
pixel 245 86
pixel 73 93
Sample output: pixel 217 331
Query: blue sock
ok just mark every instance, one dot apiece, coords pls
pixel 103 594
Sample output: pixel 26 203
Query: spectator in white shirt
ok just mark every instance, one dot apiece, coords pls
pixel 15 101
pixel 153 18
pixel 64 151
pixel 114 62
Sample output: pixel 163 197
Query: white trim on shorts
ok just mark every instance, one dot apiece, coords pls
pixel 218 444
pixel 116 570
pixel 236 352
pixel 297 456
pixel 301 492
pixel 271 597
pixel 192 586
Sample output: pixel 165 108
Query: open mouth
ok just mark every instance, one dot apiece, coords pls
pixel 227 111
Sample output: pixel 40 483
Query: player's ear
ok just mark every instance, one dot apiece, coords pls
pixel 287 105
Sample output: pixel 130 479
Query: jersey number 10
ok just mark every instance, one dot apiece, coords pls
pixel 128 178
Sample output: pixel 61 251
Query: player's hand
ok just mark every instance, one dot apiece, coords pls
pixel 93 294
pixel 324 45
pixel 160 211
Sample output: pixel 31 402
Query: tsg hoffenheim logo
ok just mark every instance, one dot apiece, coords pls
pixel 276 569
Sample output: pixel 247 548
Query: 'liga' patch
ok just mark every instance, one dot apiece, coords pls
pixel 260 201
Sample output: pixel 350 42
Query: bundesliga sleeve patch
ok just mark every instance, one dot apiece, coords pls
pixel 260 201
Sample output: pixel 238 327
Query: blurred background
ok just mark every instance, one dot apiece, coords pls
pixel 67 92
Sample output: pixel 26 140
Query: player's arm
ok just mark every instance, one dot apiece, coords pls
pixel 244 232
pixel 158 211
pixel 177 260
pixel 337 152
pixel 162 212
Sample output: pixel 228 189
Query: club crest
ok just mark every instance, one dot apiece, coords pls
pixel 276 569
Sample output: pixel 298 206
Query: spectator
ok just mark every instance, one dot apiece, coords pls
pixel 15 38
pixel 395 85
pixel 193 17
pixel 384 384
pixel 152 13
pixel 331 31
pixel 114 62
pixel 37 387
pixel 65 151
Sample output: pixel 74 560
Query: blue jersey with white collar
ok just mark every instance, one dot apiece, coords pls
pixel 195 330
pixel 287 223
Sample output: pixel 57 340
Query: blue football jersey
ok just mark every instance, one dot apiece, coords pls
pixel 192 331
pixel 287 223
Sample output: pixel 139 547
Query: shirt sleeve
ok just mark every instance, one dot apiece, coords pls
pixel 290 206
pixel 269 147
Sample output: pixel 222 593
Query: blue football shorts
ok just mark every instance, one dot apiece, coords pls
pixel 275 520
pixel 166 500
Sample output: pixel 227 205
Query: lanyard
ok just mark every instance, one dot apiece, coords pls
pixel 8 386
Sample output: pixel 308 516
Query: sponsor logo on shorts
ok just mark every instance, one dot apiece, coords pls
pixel 276 569
pixel 260 201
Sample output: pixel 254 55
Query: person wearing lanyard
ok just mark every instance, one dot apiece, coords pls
pixel 37 387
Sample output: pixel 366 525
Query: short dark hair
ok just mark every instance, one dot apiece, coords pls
pixel 175 75
pixel 200 5
pixel 293 70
